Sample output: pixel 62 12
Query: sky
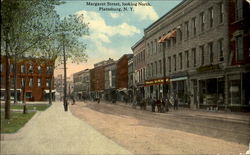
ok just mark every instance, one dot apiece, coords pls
pixel 113 32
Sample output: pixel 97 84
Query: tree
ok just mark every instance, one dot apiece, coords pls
pixel 23 25
pixel 66 33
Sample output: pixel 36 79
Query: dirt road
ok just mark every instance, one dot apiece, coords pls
pixel 143 132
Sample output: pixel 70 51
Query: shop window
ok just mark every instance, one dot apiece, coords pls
pixel 28 94
pixel 235 91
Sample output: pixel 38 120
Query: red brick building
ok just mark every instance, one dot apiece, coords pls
pixel 239 57
pixel 33 78
pixel 122 71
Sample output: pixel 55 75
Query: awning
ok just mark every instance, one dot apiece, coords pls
pixel 47 91
pixel 179 79
pixel 167 36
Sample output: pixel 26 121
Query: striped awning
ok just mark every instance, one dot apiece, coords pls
pixel 171 34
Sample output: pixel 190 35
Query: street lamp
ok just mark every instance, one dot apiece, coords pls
pixel 65 102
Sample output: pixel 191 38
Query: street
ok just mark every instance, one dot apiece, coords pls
pixel 175 132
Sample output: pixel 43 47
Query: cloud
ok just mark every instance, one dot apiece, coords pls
pixel 115 15
pixel 146 12
pixel 101 31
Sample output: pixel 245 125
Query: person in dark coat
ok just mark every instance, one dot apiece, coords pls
pixel 176 103
pixel 163 105
pixel 158 104
pixel 153 102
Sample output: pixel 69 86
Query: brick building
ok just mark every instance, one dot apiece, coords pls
pixel 203 47
pixel 33 78
pixel 122 76
pixel 81 84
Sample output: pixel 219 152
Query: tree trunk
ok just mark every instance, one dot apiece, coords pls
pixel 15 81
pixel 7 85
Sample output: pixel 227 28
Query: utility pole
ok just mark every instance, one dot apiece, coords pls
pixel 65 102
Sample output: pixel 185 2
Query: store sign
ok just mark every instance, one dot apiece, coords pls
pixel 156 81
pixel 208 68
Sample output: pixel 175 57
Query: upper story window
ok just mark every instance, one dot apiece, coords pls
pixel 156 71
pixel 39 82
pixel 156 46
pixel 174 62
pixel 152 46
pixel 22 82
pixel 187 30
pixel 239 47
pixel 194 56
pixel 22 69
pixel 39 69
pixel 31 82
pixel 210 51
pixel 1 68
pixel 180 59
pixel 221 12
pixel 211 16
pixel 187 58
pixel 202 51
pixel 180 32
pixel 202 21
pixel 194 25
pixel 220 50
pixel 160 66
pixel 47 82
pixel 31 69
pixel 239 9
pixel 169 64
pixel 49 70
pixel 12 67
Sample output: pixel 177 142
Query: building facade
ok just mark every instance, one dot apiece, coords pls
pixel 122 77
pixel 131 82
pixel 110 82
pixel 199 51
pixel 82 84
pixel 139 61
pixel 33 79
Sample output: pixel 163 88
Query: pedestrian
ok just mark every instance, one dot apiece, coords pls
pixel 158 104
pixel 166 104
pixel 73 100
pixel 163 105
pixel 176 103
pixel 153 102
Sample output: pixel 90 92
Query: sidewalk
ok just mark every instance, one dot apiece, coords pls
pixel 57 132
pixel 218 115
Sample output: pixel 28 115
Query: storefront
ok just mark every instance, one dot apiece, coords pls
pixel 154 88
pixel 179 87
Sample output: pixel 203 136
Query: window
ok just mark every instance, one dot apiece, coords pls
pixel 202 55
pixel 221 12
pixel 28 94
pixel 239 9
pixel 39 69
pixel 49 70
pixel 156 67
pixel 187 58
pixel 156 45
pixel 194 56
pixel 148 49
pixel 180 59
pixel 187 30
pixel 31 69
pixel 211 16
pixel 210 50
pixel 180 33
pixel 194 25
pixel 160 65
pixel 220 48
pixel 47 83
pixel 239 47
pixel 152 69
pixel 22 68
pixel 202 19
pixel 174 40
pixel 151 48
pixel 169 64
pixel 11 67
pixel 147 70
pixel 169 43
pixel 174 62
pixel 31 82
pixel 39 82
pixel 1 68
pixel 22 82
